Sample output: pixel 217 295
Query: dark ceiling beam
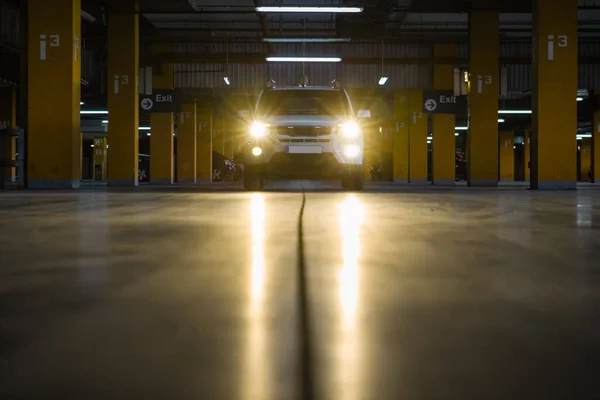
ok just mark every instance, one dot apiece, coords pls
pixel 259 58
pixel 263 24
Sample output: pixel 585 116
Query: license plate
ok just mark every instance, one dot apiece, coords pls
pixel 305 149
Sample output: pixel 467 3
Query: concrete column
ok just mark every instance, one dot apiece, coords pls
pixel 596 148
pixel 444 142
pixel 204 145
pixel 123 104
pixel 8 119
pixel 527 141
pixel 100 153
pixel 554 84
pixel 186 144
pixel 400 136
pixel 507 156
pixel 161 149
pixel 417 122
pixel 586 158
pixel 482 147
pixel 54 84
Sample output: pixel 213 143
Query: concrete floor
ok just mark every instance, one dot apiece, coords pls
pixel 411 294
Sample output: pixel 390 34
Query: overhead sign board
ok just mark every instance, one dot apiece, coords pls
pixel 443 102
pixel 161 101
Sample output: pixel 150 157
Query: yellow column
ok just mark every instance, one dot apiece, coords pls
pixel 54 82
pixel 161 125
pixel 204 146
pixel 123 107
pixel 8 120
pixel 554 85
pixel 417 122
pixel 586 159
pixel 100 158
pixel 444 142
pixel 401 143
pixel 161 148
pixel 507 156
pixel 186 144
pixel 527 140
pixel 482 147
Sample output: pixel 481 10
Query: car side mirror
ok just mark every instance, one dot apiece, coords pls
pixel 244 114
pixel 364 113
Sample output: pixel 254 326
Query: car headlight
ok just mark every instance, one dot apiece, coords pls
pixel 350 129
pixel 259 129
pixel 351 150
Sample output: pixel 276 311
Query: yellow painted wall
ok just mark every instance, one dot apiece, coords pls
pixel 507 156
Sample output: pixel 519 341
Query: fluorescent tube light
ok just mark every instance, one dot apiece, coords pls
pixel 306 40
pixel 296 9
pixel 304 59
pixel 514 111
pixel 461 128
pixel 226 79
pixel 383 80
pixel 500 120
pixel 92 112
pixel 144 128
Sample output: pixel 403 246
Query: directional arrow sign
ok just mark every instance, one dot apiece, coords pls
pixel 147 104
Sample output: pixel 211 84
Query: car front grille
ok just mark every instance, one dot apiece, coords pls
pixel 303 131
pixel 318 140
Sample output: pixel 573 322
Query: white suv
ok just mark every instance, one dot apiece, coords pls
pixel 299 131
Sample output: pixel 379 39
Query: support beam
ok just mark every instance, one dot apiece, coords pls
pixel 444 142
pixel 123 105
pixel 507 156
pixel 161 125
pixel 554 81
pixel 585 149
pixel 54 31
pixel 482 147
pixel 186 144
pixel 401 130
pixel 204 145
pixel 596 148
pixel 8 120
pixel 418 153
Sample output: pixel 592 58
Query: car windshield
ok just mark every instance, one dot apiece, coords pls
pixel 303 102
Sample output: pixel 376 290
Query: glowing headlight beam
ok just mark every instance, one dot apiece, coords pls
pixel 258 129
pixel 350 129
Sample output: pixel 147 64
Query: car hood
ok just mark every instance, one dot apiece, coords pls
pixel 303 120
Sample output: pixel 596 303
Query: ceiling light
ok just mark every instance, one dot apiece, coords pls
pixel 456 133
pixel 461 128
pixel 91 112
pixel 226 79
pixel 383 80
pixel 91 145
pixel 304 59
pixel 148 134
pixel 306 40
pixel 580 99
pixel 105 121
pixel 288 9
pixel 429 141
pixel 514 111
pixel 144 128
pixel 500 120
pixel 584 135
pixel 429 137
pixel 81 103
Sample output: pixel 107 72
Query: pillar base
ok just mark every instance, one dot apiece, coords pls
pixel 161 181
pixel 186 181
pixel 123 182
pixel 557 185
pixel 443 182
pixel 400 180
pixel 54 184
pixel 203 180
pixel 420 181
pixel 485 182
